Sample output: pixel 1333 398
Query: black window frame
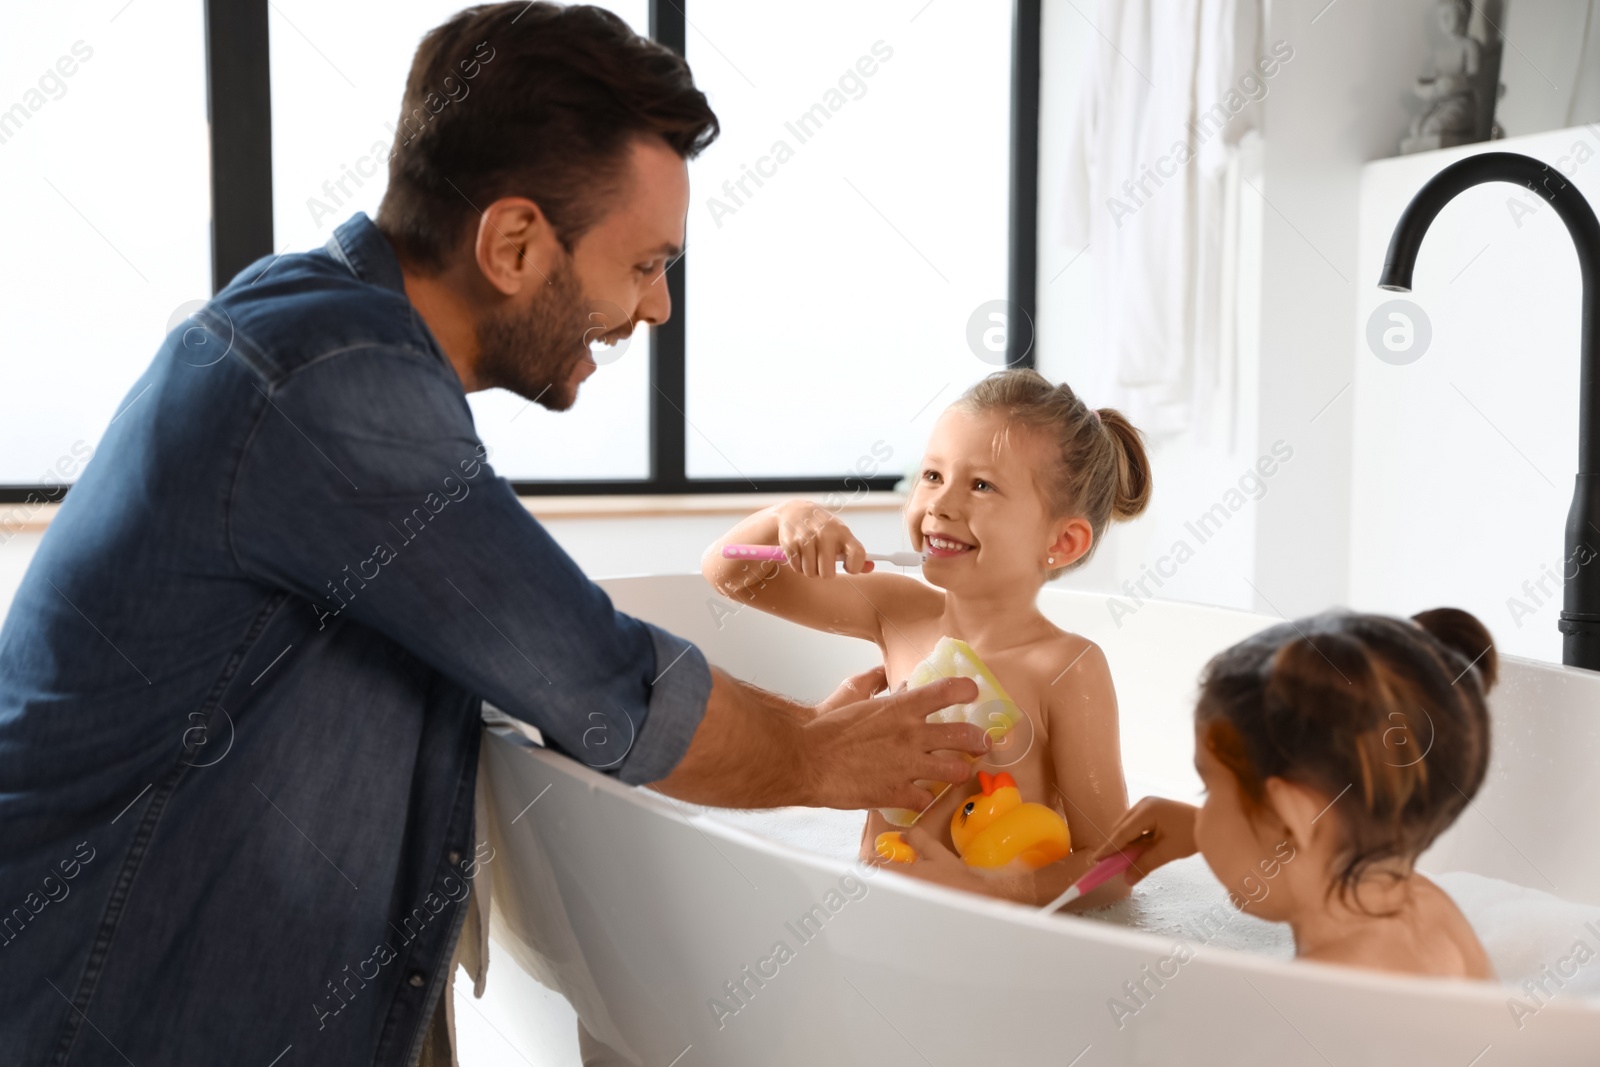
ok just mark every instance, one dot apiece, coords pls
pixel 239 108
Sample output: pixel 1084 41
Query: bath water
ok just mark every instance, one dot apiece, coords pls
pixel 1542 947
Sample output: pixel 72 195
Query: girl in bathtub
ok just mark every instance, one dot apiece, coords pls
pixel 1333 751
pixel 1018 483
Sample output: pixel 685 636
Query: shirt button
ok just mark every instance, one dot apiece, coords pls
pixel 417 979
pixel 455 855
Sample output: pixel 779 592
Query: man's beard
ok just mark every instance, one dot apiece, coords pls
pixel 533 350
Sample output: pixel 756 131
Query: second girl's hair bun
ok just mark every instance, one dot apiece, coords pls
pixel 1466 637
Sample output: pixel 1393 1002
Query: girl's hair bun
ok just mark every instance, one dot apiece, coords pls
pixel 1462 634
pixel 1133 465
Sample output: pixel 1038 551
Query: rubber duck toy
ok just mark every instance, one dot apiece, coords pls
pixel 994 829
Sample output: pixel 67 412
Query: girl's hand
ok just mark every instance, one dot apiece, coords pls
pixel 868 683
pixel 1170 825
pixel 814 540
pixel 936 863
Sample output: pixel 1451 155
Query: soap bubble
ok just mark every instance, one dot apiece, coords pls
pixel 1010 745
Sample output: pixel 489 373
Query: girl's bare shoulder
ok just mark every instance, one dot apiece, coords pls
pixel 1449 924
pixel 908 613
pixel 1065 661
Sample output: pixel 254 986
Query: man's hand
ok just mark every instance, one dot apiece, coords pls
pixel 755 750
pixel 869 753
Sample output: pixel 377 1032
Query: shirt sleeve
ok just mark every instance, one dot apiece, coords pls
pixel 364 489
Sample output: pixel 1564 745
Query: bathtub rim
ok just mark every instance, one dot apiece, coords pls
pixel 1167 603
pixel 1485 994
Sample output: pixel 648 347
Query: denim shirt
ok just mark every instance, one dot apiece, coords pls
pixel 241 685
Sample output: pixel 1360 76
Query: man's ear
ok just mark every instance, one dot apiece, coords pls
pixel 1299 808
pixel 515 246
pixel 1075 538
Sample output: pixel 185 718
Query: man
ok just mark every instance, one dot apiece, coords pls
pixel 241 683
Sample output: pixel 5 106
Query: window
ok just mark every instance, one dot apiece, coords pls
pixel 823 316
pixel 107 221
pixel 337 77
pixel 843 230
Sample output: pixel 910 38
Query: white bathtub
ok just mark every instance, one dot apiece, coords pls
pixel 642 911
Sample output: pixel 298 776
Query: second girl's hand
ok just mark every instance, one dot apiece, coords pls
pixel 1168 826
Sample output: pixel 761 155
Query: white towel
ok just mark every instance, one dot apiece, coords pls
pixel 1151 192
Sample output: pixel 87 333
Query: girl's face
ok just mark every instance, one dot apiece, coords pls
pixel 1238 845
pixel 975 506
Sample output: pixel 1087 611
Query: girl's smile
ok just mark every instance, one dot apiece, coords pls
pixel 977 501
pixel 946 547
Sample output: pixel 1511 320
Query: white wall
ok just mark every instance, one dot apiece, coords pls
pixel 604 546
pixel 1405 495
pixel 1464 459
pixel 1344 99
pixel 1324 533
pixel 15 554
pixel 1191 472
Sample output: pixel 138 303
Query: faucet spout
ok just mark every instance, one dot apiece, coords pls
pixel 1580 615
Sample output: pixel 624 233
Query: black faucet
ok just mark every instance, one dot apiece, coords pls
pixel 1580 615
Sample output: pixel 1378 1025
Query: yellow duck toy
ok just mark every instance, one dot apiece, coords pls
pixel 993 829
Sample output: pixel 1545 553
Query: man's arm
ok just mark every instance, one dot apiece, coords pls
pixel 363 489
pixel 752 751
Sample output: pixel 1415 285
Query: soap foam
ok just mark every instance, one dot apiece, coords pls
pixel 1527 930
pixel 1523 930
pixel 1183 901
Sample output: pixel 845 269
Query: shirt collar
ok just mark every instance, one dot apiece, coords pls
pixel 365 251
pixel 360 246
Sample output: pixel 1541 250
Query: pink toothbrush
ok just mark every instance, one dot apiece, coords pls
pixel 778 555
pixel 1097 876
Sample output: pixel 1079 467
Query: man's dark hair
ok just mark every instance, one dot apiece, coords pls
pixel 536 100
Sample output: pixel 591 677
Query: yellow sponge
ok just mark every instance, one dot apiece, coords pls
pixel 994 710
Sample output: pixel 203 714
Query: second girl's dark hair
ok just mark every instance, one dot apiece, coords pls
pixel 1384 716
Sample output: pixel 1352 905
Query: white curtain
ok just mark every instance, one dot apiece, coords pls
pixel 1172 89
